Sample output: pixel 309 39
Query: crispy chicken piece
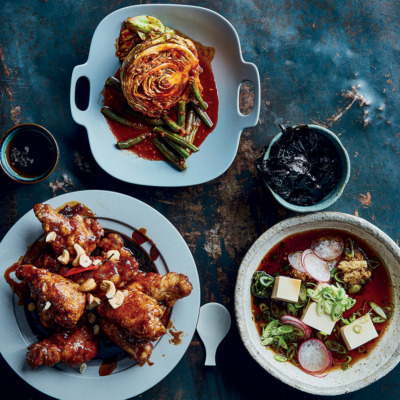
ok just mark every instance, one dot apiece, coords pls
pixel 114 242
pixel 73 347
pixel 354 272
pixel 69 230
pixel 119 272
pixel 66 303
pixel 166 288
pixel 140 350
pixel 138 316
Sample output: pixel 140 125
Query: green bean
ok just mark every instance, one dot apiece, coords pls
pixel 178 149
pixel 133 142
pixel 196 92
pixel 193 132
pixel 108 112
pixel 113 82
pixel 141 117
pixel 181 119
pixel 190 120
pixel 176 138
pixel 180 164
pixel 202 114
pixel 174 126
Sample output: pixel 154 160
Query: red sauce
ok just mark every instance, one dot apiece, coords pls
pixel 377 289
pixel 154 253
pixel 108 366
pixel 19 288
pixel 138 237
pixel 146 149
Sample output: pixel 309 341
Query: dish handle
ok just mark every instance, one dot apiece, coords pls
pixel 77 114
pixel 250 72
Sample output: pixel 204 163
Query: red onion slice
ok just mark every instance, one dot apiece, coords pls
pixel 296 323
pixel 328 247
pixel 314 357
pixel 316 268
pixel 295 261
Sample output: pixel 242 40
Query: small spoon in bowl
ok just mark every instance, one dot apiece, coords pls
pixel 213 325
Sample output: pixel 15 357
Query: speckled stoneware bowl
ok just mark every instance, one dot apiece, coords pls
pixel 329 199
pixel 385 355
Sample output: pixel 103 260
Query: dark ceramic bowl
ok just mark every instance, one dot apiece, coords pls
pixel 49 161
pixel 334 195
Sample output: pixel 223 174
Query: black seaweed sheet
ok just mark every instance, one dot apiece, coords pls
pixel 303 166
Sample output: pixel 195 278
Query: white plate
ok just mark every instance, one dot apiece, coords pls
pixel 384 357
pixel 219 149
pixel 121 213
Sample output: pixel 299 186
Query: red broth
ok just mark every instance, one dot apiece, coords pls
pixel 378 288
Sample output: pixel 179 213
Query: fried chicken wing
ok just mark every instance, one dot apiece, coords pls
pixel 69 230
pixel 58 299
pixel 138 316
pixel 119 272
pixel 114 242
pixel 140 350
pixel 166 288
pixel 73 347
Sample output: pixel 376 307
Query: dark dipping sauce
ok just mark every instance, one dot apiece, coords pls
pixel 377 289
pixel 29 153
pixel 116 100
pixel 303 166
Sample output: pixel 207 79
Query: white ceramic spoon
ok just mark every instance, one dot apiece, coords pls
pixel 213 325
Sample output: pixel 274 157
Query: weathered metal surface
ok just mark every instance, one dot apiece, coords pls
pixel 329 62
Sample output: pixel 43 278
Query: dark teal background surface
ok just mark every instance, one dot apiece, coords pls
pixel 336 63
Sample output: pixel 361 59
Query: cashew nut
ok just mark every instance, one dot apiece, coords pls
pixel 47 306
pixel 82 368
pixel 88 285
pixel 96 329
pixel 117 300
pixel 85 261
pixel 91 318
pixel 109 288
pixel 79 251
pixel 113 255
pixel 96 262
pixel 93 301
pixel 51 237
pixel 64 258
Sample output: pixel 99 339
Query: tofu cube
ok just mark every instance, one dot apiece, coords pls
pixel 323 323
pixel 359 332
pixel 286 289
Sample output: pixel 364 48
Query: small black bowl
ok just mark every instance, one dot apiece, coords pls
pixel 28 153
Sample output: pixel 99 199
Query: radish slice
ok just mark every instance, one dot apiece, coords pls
pixel 303 256
pixel 328 247
pixel 314 357
pixel 316 268
pixel 296 323
pixel 295 260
